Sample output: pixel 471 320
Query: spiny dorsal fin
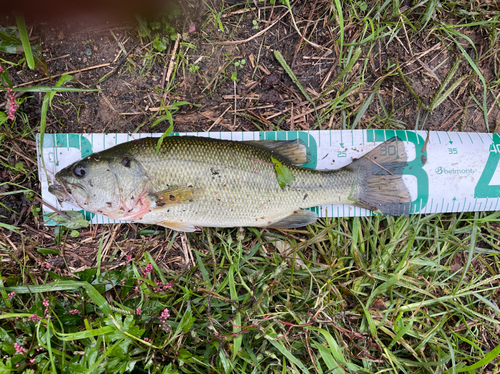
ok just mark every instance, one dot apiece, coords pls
pixel 291 151
pixel 298 218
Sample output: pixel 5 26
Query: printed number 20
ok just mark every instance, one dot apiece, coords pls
pixel 483 188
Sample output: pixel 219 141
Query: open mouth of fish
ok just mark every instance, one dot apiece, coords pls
pixel 58 191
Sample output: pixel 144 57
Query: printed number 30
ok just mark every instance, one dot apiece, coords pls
pixel 483 188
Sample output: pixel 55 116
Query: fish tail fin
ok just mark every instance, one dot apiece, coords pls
pixel 379 184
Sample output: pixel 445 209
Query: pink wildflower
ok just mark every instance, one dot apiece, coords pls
pixel 138 311
pixel 164 315
pixel 73 311
pixel 147 340
pixel 129 258
pixel 46 305
pixel 11 295
pixel 34 318
pixel 33 360
pixel 19 349
pixel 148 270
pixel 11 105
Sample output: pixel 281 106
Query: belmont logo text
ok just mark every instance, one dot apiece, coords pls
pixel 442 170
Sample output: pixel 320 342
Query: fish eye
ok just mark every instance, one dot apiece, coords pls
pixel 80 171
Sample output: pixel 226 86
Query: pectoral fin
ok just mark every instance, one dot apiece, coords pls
pixel 299 218
pixel 176 195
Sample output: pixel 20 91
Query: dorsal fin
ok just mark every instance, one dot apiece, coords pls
pixel 291 151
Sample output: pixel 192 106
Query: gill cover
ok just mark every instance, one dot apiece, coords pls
pixel 104 183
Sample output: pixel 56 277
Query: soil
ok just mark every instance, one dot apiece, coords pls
pixel 130 99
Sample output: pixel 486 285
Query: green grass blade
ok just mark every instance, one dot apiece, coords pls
pixel 344 72
pixel 291 74
pixel 401 333
pixel 49 348
pixel 365 106
pixel 338 7
pixel 410 88
pixel 94 295
pixel 327 357
pixel 446 81
pixel 103 357
pixel 383 287
pixel 99 252
pixel 472 247
pixel 85 334
pixel 23 33
pixel 476 69
pixel 335 349
pixel 52 89
pixel 237 318
pixel 272 339
pixel 494 353
pixel 437 100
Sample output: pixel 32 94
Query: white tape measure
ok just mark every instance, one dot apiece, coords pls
pixel 446 171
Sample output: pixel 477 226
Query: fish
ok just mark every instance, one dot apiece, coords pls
pixel 194 182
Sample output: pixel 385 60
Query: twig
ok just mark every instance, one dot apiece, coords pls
pixel 380 166
pixel 115 70
pixel 171 66
pixel 216 122
pixel 235 103
pixel 61 74
pixel 172 60
pixel 187 250
pixel 424 148
pixel 304 33
pixel 236 42
pixel 27 159
pixel 51 207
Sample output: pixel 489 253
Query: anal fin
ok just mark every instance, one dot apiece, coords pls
pixel 298 218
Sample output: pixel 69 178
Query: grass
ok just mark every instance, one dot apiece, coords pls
pixel 370 293
pixel 367 295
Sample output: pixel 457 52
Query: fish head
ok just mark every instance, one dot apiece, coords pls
pixel 104 184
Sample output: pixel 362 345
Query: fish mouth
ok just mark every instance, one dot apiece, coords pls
pixel 59 192
pixel 62 191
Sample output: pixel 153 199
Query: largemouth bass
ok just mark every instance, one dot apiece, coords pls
pixel 194 182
